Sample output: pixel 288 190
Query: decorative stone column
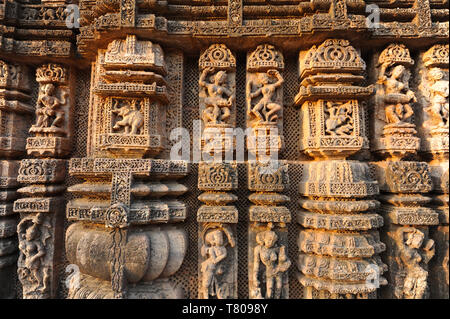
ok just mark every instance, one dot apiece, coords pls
pixel 402 182
pixel 339 244
pixel 125 240
pixel 40 229
pixel 14 123
pixel 217 242
pixel 433 118
pixel 267 175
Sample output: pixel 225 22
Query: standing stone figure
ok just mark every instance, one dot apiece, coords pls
pixel 397 95
pixel 415 255
pixel 48 107
pixel 33 234
pixel 217 109
pixel 438 110
pixel 266 109
pixel 215 251
pixel 275 262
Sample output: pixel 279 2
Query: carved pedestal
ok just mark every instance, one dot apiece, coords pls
pixel 402 182
pixel 339 245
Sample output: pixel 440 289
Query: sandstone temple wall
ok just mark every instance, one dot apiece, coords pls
pixel 339 190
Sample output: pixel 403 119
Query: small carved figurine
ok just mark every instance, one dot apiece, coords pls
pixel 48 107
pixel 275 261
pixel 212 268
pixel 132 118
pixel 397 95
pixel 438 110
pixel 33 235
pixel 415 254
pixel 266 109
pixel 217 107
pixel 340 121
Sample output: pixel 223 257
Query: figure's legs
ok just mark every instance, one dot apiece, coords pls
pixel 408 111
pixel 225 114
pixel 207 280
pixel 273 108
pixel 58 119
pixel 269 287
pixel 256 110
pixel 391 117
pixel 279 286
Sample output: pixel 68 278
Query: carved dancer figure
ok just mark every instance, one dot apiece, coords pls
pixel 33 235
pixel 132 118
pixel 218 107
pixel 397 95
pixel 340 121
pixel 438 110
pixel 415 254
pixel 275 261
pixel 48 106
pixel 265 110
pixel 215 251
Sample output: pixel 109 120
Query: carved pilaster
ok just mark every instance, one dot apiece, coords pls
pixel 339 245
pixel 267 176
pixel 403 183
pixel 433 128
pixel 41 206
pixel 14 123
pixel 124 238
pixel 217 241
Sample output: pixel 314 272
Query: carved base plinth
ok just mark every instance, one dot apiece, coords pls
pixel 92 288
pixel 333 146
pixel 397 146
pixel 342 292
pixel 265 139
pixel 218 139
pixel 134 145
pixel 43 146
pixel 149 253
pixel 12 146
pixel 337 179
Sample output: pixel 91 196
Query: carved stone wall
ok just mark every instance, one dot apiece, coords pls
pixel 338 190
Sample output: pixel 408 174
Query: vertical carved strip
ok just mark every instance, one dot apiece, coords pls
pixel 14 122
pixel 217 231
pixel 41 209
pixel 402 182
pixel 267 175
pixel 235 12
pixel 433 129
pixel 340 244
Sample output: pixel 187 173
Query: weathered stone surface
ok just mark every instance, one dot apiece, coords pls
pixel 178 144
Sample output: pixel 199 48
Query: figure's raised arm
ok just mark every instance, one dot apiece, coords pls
pixel 202 80
pixel 276 74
